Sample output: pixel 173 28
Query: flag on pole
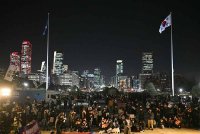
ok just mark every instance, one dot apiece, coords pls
pixel 45 29
pixel 165 23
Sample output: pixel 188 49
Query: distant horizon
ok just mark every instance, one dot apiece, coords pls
pixel 95 33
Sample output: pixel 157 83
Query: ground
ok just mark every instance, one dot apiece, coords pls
pixel 156 131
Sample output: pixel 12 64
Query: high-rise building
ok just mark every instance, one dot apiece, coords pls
pixel 122 82
pixel 26 58
pixel 75 80
pixel 90 81
pixel 165 82
pixel 58 63
pixel 119 72
pixel 135 83
pixel 34 77
pixel 147 69
pixel 65 79
pixel 15 60
pixel 97 78
pixel 147 63
pixel 119 67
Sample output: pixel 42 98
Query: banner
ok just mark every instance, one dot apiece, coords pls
pixel 31 128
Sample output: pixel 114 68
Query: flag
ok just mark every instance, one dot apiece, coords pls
pixel 45 29
pixel 166 23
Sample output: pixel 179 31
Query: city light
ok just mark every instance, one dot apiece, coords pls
pixel 180 90
pixel 25 84
pixel 5 91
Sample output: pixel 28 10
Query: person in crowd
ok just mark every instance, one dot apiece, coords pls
pixel 78 124
pixel 150 117
pixel 141 119
pixel 145 110
pixel 177 122
pixel 170 122
pixel 17 123
pixel 59 122
pixel 127 125
pixel 84 125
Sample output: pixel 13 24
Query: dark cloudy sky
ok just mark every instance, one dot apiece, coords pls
pixel 95 33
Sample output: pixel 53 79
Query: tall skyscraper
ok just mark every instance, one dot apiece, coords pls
pixel 15 60
pixel 97 78
pixel 147 63
pixel 119 72
pixel 119 67
pixel 147 69
pixel 26 58
pixel 58 63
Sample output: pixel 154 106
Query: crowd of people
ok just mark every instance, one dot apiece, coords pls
pixel 120 113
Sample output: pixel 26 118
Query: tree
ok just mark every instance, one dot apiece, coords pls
pixel 195 91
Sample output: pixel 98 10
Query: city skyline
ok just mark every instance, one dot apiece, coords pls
pixel 97 33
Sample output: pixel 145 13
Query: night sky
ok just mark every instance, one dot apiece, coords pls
pixel 95 33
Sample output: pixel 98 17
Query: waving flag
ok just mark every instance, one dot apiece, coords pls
pixel 45 29
pixel 166 23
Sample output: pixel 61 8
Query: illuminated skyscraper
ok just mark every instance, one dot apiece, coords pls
pixel 147 63
pixel 119 72
pixel 15 60
pixel 147 69
pixel 97 78
pixel 58 63
pixel 119 67
pixel 26 58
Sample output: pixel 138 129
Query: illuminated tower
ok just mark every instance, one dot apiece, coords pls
pixel 147 61
pixel 15 60
pixel 58 63
pixel 119 67
pixel 119 72
pixel 97 78
pixel 26 54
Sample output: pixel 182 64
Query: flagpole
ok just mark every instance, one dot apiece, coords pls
pixel 47 68
pixel 172 61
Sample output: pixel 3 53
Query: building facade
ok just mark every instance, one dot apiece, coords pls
pixel 119 72
pixel 15 60
pixel 26 57
pixel 147 63
pixel 97 78
pixel 58 63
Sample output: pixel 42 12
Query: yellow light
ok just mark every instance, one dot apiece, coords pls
pixel 5 91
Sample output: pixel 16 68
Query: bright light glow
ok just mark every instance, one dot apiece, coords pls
pixel 180 90
pixel 5 91
pixel 25 84
pixel 119 61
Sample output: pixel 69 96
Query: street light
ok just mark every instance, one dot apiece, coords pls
pixel 180 90
pixel 25 84
pixel 5 91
